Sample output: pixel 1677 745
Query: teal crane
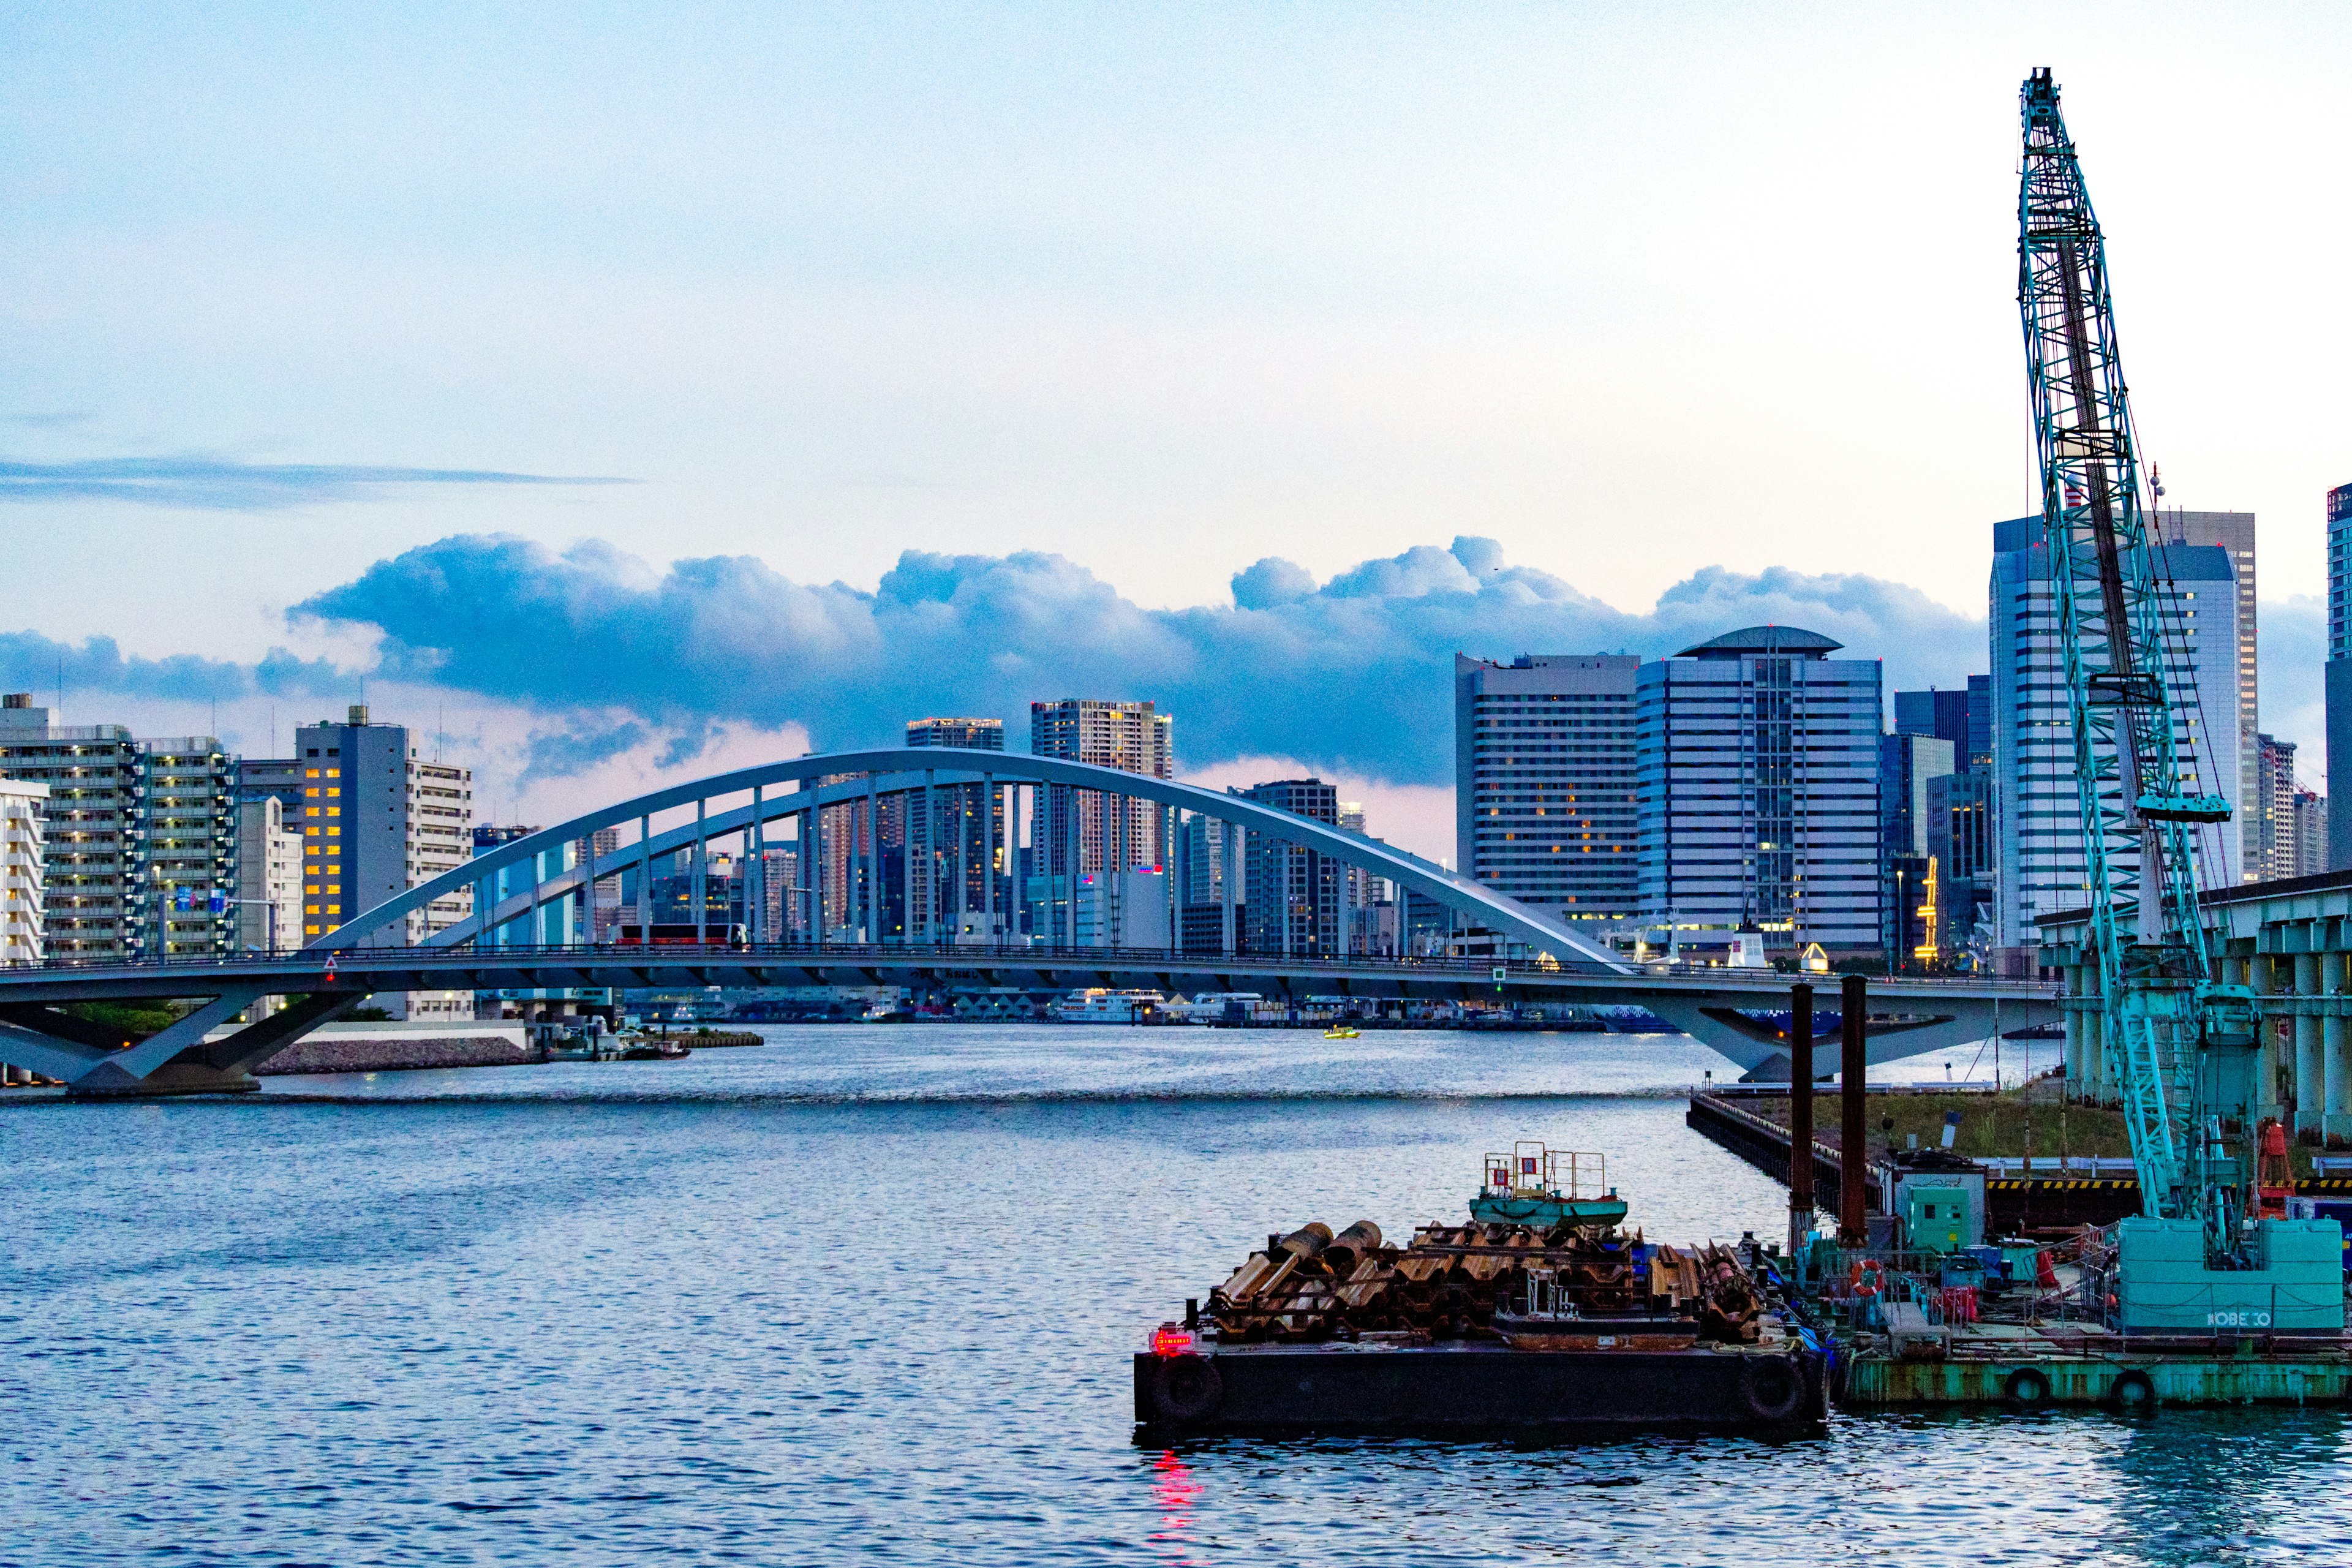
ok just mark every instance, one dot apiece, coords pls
pixel 2180 1043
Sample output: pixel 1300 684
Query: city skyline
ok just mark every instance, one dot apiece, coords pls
pixel 792 307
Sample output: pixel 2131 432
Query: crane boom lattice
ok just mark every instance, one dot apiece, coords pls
pixel 2179 1044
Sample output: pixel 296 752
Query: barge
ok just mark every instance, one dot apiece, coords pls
pixel 1538 1316
pixel 1473 1385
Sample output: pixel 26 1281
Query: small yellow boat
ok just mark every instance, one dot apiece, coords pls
pixel 1343 1032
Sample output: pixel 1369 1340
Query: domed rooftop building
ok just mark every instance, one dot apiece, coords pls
pixel 1758 788
pixel 1747 640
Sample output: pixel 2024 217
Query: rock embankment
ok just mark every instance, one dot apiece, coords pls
pixel 398 1053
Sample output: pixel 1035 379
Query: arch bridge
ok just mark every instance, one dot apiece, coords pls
pixel 981 838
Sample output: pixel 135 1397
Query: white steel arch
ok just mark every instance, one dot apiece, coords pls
pixel 955 765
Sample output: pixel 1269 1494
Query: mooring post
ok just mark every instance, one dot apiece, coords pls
pixel 1854 1072
pixel 1801 1121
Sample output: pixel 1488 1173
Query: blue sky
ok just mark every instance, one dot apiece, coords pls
pixel 294 302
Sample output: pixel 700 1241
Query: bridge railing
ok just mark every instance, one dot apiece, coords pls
pixel 1003 954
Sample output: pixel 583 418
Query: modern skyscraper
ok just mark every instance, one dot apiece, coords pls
pixel 1759 787
pixel 2339 667
pixel 2037 813
pixel 1962 716
pixel 1544 787
pixel 2233 532
pixel 960 851
pixel 1960 841
pixel 1298 903
pixel 1905 765
pixel 1107 832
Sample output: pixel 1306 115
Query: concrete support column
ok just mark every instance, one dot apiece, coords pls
pixel 2310 1076
pixel 2335 1081
pixel 2262 975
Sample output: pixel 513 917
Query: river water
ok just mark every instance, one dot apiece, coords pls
pixel 867 1294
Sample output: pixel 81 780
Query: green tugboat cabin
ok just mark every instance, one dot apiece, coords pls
pixel 1537 1185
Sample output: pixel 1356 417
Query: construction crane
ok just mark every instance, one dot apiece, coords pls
pixel 2181 1045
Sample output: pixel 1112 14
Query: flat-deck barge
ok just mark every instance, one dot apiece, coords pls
pixel 1464 1386
pixel 1538 1315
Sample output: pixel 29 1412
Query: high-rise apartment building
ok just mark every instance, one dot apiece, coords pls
pixel 375 820
pixel 780 885
pixel 2310 833
pixel 1758 790
pixel 2038 826
pixel 604 906
pixel 1298 903
pixel 1545 807
pixel 187 814
pixel 971 734
pixel 23 806
pixel 92 871
pixel 141 836
pixel 2233 533
pixel 2339 667
pixel 1106 832
pixel 2273 810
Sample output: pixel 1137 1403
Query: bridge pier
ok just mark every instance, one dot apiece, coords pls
pixel 95 1063
pixel 181 1074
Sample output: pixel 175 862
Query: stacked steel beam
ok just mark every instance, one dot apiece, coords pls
pixel 1312 1285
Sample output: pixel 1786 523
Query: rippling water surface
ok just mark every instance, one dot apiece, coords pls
pixel 868 1294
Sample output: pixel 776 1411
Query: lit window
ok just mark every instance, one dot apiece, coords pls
pixel 309 930
pixel 312 773
pixel 334 772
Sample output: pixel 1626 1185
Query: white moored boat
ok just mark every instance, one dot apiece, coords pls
pixel 1096 1005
